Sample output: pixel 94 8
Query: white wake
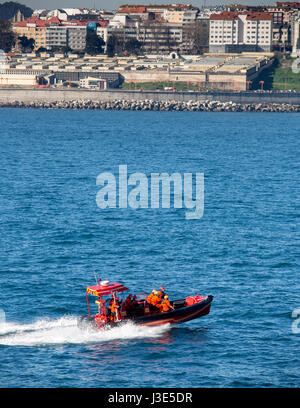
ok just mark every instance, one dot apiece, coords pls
pixel 65 331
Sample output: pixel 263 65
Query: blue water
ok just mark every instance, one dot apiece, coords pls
pixel 54 239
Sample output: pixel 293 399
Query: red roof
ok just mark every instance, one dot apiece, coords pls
pixel 132 9
pixel 105 288
pixel 103 23
pixel 53 20
pixel 31 20
pixel 259 16
pixel 288 4
pixel 38 22
pixel 233 15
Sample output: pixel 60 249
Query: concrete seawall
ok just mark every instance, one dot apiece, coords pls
pixel 27 96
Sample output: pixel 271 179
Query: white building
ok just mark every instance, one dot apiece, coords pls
pixel 240 31
pixel 56 36
pixel 295 33
pixel 76 37
pixel 93 83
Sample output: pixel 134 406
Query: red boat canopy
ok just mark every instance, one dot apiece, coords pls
pixel 105 288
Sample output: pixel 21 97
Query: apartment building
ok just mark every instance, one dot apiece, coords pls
pixel 160 37
pixel 56 36
pixel 240 31
pixel 76 37
pixel 281 13
pixel 181 16
pixel 282 21
pixel 123 27
pixel 52 33
pixel 158 27
pixel 33 28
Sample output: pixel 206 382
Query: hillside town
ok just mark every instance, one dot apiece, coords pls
pixel 175 46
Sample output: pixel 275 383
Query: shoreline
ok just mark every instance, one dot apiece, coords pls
pixel 151 105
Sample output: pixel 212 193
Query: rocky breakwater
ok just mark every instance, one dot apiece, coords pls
pixel 151 105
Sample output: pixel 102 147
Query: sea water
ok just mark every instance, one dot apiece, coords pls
pixel 244 251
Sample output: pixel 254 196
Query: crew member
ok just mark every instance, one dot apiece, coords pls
pixel 165 305
pixel 135 303
pixel 114 306
pixel 155 301
pixel 149 298
pixel 161 292
pixel 109 308
pixel 128 304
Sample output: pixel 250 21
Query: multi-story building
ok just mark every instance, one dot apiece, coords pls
pixel 282 15
pixel 123 27
pixel 53 33
pixel 160 37
pixel 295 33
pixel 159 28
pixel 180 14
pixel 76 36
pixel 32 28
pixel 56 36
pixel 240 31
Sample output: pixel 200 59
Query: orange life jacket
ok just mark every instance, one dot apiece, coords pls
pixel 165 305
pixel 149 298
pixel 155 300
pixel 113 306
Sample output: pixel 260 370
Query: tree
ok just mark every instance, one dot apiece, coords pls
pixel 10 8
pixel 65 50
pixel 41 49
pixel 195 37
pixel 132 46
pixel 7 37
pixel 94 44
pixel 27 44
pixel 111 46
